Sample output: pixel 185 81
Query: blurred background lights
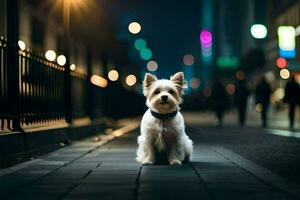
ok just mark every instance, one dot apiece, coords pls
pixel 50 55
pixel 113 75
pixel 258 107
pixel 152 66
pixel 195 83
pixel 146 54
pixel 134 27
pixel 240 75
pixel 207 91
pixel 188 59
pixel 230 88
pixel 98 81
pixel 61 60
pixel 130 80
pixel 258 31
pixel 205 37
pixel 206 44
pixel 72 67
pixel 287 41
pixel 284 73
pixel 281 63
pixel 140 44
pixel 21 45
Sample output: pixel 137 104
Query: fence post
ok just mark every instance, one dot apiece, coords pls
pixel 13 62
pixel 89 95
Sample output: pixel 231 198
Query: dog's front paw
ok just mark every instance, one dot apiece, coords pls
pixel 175 162
pixel 147 163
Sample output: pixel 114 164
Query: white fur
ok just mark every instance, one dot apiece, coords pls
pixel 174 142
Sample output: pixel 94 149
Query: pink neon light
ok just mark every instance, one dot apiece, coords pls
pixel 205 37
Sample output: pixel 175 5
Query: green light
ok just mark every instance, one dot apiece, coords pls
pixel 140 44
pixel 146 54
pixel 227 62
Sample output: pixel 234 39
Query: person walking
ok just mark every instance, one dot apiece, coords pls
pixel 262 94
pixel 219 100
pixel 292 97
pixel 240 100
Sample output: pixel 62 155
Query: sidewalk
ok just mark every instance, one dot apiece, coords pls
pixel 89 170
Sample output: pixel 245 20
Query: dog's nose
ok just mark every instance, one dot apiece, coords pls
pixel 164 97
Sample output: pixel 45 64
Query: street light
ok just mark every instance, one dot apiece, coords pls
pixel 134 28
pixel 113 75
pixel 50 55
pixel 21 45
pixel 188 59
pixel 61 60
pixel 72 67
pixel 259 31
pixel 98 81
pixel 130 80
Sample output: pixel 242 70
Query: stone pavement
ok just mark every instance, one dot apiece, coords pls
pixel 87 170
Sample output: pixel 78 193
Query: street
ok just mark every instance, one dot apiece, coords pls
pixel 228 163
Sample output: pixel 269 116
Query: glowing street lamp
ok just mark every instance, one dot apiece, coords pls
pixel 130 80
pixel 72 67
pixel 50 55
pixel 134 28
pixel 21 45
pixel 98 81
pixel 113 75
pixel 259 31
pixel 61 60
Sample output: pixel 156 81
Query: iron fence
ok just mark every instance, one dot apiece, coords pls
pixel 34 94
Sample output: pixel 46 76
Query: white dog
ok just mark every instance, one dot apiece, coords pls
pixel 162 126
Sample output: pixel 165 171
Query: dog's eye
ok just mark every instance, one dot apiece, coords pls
pixel 171 91
pixel 156 92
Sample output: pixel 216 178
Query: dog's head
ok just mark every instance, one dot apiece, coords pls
pixel 164 96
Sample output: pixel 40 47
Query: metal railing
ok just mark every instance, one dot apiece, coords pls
pixel 34 93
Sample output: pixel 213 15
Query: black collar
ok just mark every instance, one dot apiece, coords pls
pixel 164 116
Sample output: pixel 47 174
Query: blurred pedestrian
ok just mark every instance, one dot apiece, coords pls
pixel 219 100
pixel 240 100
pixel 292 97
pixel 262 94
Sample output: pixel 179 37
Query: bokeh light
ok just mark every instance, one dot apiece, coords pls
pixel 146 54
pixel 113 75
pixel 61 60
pixel 259 107
pixel 130 80
pixel 140 44
pixel 134 27
pixel 206 44
pixel 195 83
pixel 281 63
pixel 207 92
pixel 188 59
pixel 50 55
pixel 230 88
pixel 21 45
pixel 152 65
pixel 285 73
pixel 258 31
pixel 240 75
pixel 72 67
pixel 98 81
pixel 205 37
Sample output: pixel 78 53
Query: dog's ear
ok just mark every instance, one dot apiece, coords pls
pixel 148 80
pixel 179 81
